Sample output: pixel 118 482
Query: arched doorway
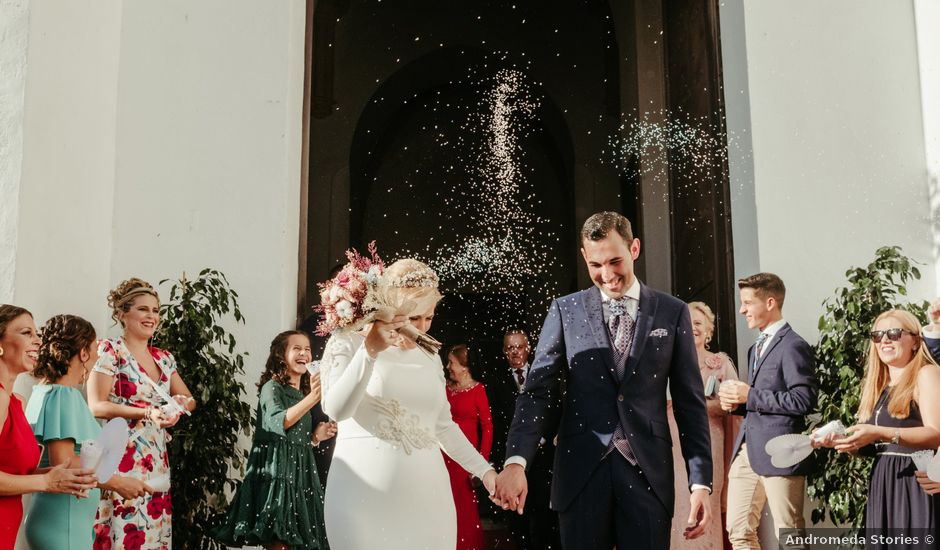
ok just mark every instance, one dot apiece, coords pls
pixel 381 73
pixel 471 171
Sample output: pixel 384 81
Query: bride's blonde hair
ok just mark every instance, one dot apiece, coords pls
pixel 415 281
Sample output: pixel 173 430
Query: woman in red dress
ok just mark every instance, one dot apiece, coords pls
pixel 471 411
pixel 19 452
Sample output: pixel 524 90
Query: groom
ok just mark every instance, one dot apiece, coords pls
pixel 616 346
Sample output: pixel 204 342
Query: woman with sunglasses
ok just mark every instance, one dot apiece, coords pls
pixel 899 413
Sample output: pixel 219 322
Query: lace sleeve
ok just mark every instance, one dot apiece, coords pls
pixel 344 375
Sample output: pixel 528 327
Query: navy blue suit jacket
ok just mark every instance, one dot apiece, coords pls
pixel 783 392
pixel 575 344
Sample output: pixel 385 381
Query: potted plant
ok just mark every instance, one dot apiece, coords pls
pixel 204 449
pixel 839 483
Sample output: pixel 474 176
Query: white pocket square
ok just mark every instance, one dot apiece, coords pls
pixel 659 333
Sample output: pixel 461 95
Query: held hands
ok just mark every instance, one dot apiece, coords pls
pixel 732 393
pixel 699 515
pixel 489 482
pixel 511 488
pixel 70 481
pixel 383 335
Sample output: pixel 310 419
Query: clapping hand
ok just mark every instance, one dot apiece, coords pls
pixel 70 481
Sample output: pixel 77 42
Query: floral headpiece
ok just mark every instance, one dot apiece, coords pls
pixel 420 278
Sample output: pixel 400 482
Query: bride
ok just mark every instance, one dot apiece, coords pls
pixel 388 486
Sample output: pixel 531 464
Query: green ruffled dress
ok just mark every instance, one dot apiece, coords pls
pixel 58 521
pixel 280 499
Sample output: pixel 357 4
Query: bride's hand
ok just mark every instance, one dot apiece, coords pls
pixel 382 335
pixel 489 481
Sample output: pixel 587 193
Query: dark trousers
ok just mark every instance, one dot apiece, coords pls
pixel 616 507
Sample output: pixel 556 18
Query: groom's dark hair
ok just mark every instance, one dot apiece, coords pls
pixel 600 225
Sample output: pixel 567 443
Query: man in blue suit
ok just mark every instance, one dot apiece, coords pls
pixel 615 345
pixel 779 393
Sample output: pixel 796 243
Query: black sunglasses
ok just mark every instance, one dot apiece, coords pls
pixel 893 334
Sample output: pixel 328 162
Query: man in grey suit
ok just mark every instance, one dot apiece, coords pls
pixel 779 393
pixel 616 345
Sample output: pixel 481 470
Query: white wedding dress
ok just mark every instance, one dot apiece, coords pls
pixel 388 486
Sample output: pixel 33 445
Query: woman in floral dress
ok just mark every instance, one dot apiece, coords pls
pixel 122 385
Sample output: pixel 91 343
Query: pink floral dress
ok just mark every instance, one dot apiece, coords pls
pixel 142 523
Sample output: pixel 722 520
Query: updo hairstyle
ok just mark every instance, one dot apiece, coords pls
pixel 63 337
pixel 121 298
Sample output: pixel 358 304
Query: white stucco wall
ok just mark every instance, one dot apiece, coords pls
pixel 14 32
pixel 827 152
pixel 835 131
pixel 163 137
pixel 927 14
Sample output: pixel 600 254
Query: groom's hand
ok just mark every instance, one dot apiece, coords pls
pixel 511 488
pixel 700 514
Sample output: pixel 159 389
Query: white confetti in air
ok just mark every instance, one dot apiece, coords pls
pixel 508 244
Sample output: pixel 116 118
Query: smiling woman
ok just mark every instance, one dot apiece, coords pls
pixel 19 452
pixel 124 384
pixel 899 413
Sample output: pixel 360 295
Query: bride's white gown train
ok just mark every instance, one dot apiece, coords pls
pixel 388 487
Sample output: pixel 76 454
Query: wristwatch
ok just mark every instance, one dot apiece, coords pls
pixel 896 440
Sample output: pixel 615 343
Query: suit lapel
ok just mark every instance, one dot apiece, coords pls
pixel 594 313
pixel 770 347
pixel 644 323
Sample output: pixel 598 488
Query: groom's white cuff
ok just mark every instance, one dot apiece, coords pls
pixel 515 460
pixel 696 487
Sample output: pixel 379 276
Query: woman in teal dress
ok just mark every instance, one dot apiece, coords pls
pixel 280 503
pixel 61 420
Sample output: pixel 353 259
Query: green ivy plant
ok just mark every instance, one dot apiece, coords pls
pixel 840 482
pixel 204 448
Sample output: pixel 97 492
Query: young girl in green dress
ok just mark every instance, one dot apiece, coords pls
pixel 61 420
pixel 280 503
